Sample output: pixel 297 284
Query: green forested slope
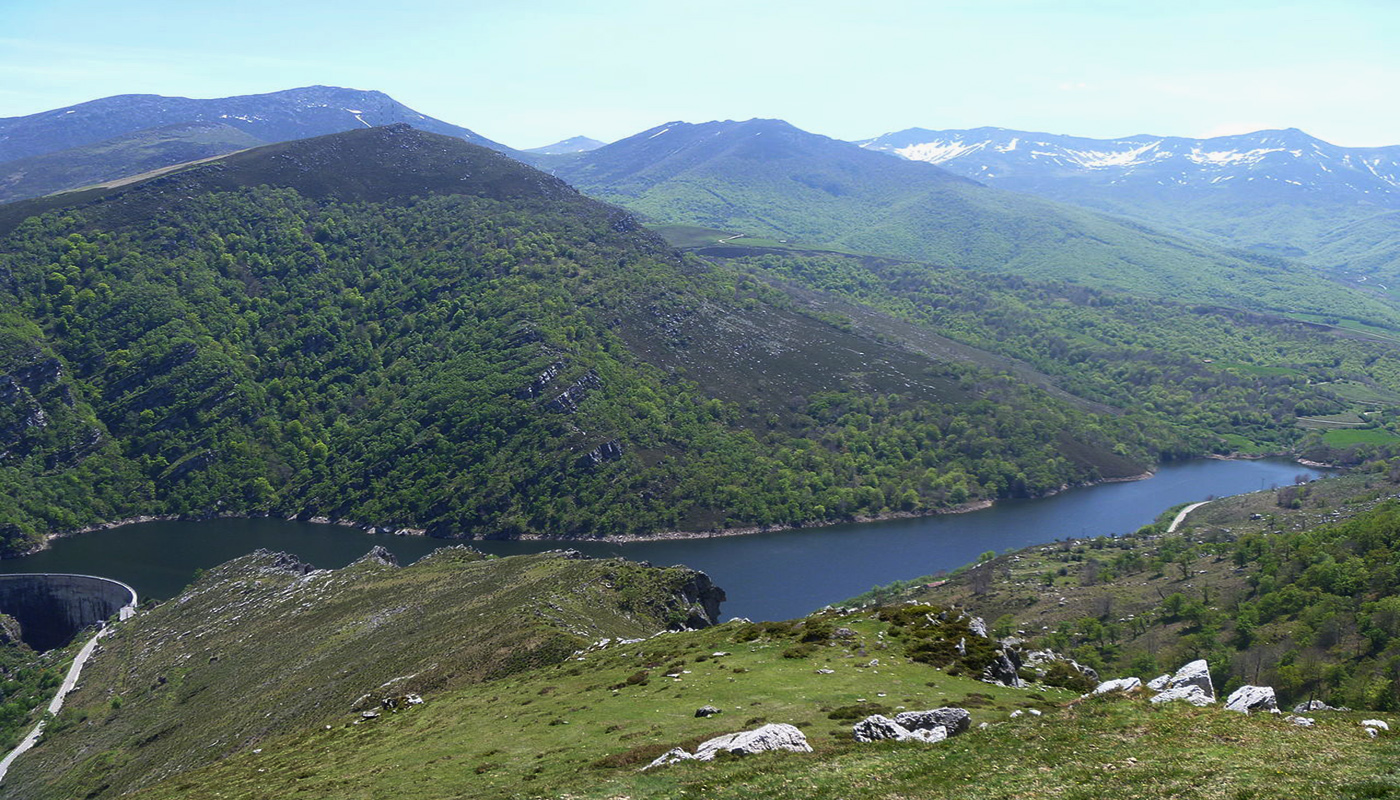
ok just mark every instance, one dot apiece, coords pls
pixel 404 329
pixel 1244 376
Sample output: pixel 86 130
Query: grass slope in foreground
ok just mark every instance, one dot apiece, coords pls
pixel 1294 587
pixel 264 645
pixel 583 727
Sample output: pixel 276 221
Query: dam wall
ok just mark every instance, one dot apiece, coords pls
pixel 53 608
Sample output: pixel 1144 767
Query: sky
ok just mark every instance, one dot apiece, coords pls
pixel 530 72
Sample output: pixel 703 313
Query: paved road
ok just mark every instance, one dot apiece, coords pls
pixel 69 681
pixel 1181 515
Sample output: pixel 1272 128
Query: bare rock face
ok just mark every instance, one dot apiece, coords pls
pixel 1159 683
pixel 954 720
pixel 1252 698
pixel 1119 685
pixel 1197 674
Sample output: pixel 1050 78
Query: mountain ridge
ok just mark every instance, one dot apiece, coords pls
pixel 768 178
pixel 1275 191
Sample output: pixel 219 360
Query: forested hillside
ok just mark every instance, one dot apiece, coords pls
pixel 407 330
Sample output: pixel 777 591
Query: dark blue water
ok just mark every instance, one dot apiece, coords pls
pixel 767 576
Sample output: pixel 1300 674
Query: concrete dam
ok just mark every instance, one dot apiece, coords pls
pixel 53 608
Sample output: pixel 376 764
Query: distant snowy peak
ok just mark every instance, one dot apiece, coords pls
pixel 1287 158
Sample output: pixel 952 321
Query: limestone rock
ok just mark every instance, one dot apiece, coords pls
pixel 1118 685
pixel 955 720
pixel 978 627
pixel 1252 698
pixel 877 727
pixel 1191 693
pixel 706 711
pixel 1005 670
pixel 774 736
pixel 1315 705
pixel 1159 683
pixel 1302 722
pixel 672 756
pixel 1375 724
pixel 1197 673
pixel 929 735
pixel 778 736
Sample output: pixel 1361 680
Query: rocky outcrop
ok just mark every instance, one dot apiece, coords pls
pixel 541 382
pixel 775 736
pixel 877 728
pixel 1118 685
pixel 1005 670
pixel 953 720
pixel 1315 705
pixel 703 598
pixel 1192 694
pixel 1247 699
pixel 1159 683
pixel 1196 673
pixel 377 555
pixel 1041 661
pixel 607 451
pixel 567 401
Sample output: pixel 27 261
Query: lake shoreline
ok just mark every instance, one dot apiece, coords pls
pixel 661 536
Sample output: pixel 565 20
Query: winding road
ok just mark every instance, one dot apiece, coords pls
pixel 1180 517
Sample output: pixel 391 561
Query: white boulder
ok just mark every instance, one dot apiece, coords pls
pixel 1159 683
pixel 1252 698
pixel 1302 722
pixel 955 720
pixel 776 736
pixel 1197 673
pixel 1118 685
pixel 1192 694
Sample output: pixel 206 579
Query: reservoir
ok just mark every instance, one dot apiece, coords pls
pixel 769 576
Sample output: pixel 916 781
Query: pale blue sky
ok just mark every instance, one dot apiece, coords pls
pixel 530 72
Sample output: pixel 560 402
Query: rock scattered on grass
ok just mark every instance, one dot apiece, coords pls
pixel 1247 699
pixel 774 736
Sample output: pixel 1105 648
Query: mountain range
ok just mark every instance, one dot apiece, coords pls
pixel 126 135
pixel 768 178
pixel 1275 191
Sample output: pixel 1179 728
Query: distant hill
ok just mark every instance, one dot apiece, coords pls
pixel 768 178
pixel 1275 191
pixel 124 156
pixel 576 144
pixel 126 135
